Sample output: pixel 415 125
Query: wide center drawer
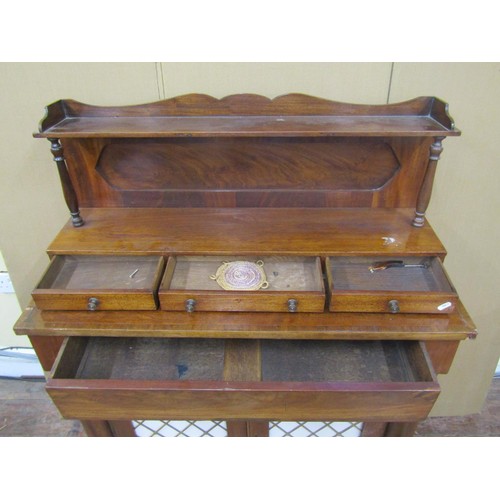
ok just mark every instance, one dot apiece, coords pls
pixel 158 378
pixel 212 283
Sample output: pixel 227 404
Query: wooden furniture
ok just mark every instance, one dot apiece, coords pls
pixel 355 313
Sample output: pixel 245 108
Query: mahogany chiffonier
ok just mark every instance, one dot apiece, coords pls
pixel 246 260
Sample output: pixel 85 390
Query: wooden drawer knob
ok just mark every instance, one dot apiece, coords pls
pixel 92 304
pixel 393 306
pixel 190 305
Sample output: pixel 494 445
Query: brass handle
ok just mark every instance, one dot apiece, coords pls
pixel 92 304
pixel 292 305
pixel 190 305
pixel 393 306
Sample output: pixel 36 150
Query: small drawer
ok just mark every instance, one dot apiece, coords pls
pixel 291 284
pixel 211 379
pixel 99 283
pixel 406 285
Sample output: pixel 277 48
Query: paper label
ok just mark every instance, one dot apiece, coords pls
pixel 444 306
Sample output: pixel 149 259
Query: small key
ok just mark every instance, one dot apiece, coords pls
pixel 381 266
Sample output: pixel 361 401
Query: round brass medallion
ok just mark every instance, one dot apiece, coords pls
pixel 241 275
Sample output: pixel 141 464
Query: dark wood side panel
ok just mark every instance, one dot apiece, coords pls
pixel 237 428
pixel 258 428
pixel 440 112
pixel 122 428
pixel 402 190
pixel 108 428
pixel 373 429
pixel 97 428
pixel 54 113
pixel 442 354
pixel 46 349
pixel 247 428
pixel 247 164
pixel 67 362
pixel 272 172
pixel 401 429
pixel 82 156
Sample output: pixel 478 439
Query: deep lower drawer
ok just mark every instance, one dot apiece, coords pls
pixel 155 378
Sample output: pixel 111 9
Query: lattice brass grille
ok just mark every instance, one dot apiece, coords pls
pixel 180 428
pixel 315 429
pixel 209 428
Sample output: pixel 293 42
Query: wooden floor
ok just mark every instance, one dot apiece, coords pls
pixel 26 410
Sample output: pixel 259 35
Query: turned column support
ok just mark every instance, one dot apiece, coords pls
pixel 67 186
pixel 424 196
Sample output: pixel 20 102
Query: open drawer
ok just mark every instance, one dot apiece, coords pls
pixel 406 285
pixel 232 283
pixel 97 282
pixel 158 378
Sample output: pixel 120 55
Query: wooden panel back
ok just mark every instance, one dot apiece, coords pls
pixel 232 173
pixel 248 151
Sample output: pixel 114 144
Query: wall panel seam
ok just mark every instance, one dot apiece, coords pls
pixel 390 83
pixel 159 80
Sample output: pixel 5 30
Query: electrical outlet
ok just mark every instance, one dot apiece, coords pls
pixel 5 283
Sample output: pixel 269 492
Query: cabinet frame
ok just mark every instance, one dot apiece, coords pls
pixel 372 202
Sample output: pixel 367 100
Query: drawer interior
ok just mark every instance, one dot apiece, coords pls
pixel 142 359
pixel 282 273
pixel 111 358
pixel 89 272
pixel 354 361
pixel 223 379
pixel 421 275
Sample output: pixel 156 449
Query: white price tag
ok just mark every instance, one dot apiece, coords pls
pixel 444 306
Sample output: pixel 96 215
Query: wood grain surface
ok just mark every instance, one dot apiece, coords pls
pixel 199 114
pixel 455 326
pixel 242 394
pixel 300 232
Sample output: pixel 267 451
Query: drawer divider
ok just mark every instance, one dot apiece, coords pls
pixel 242 360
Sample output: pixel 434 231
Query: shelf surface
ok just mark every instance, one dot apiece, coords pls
pixel 247 126
pixel 325 326
pixel 247 231
pixel 247 115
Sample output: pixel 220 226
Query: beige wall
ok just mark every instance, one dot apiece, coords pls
pixel 463 210
pixel 9 312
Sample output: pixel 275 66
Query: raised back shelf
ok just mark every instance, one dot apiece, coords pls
pixel 291 115
pixel 248 151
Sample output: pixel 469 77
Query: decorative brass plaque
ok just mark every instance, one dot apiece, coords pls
pixel 241 275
